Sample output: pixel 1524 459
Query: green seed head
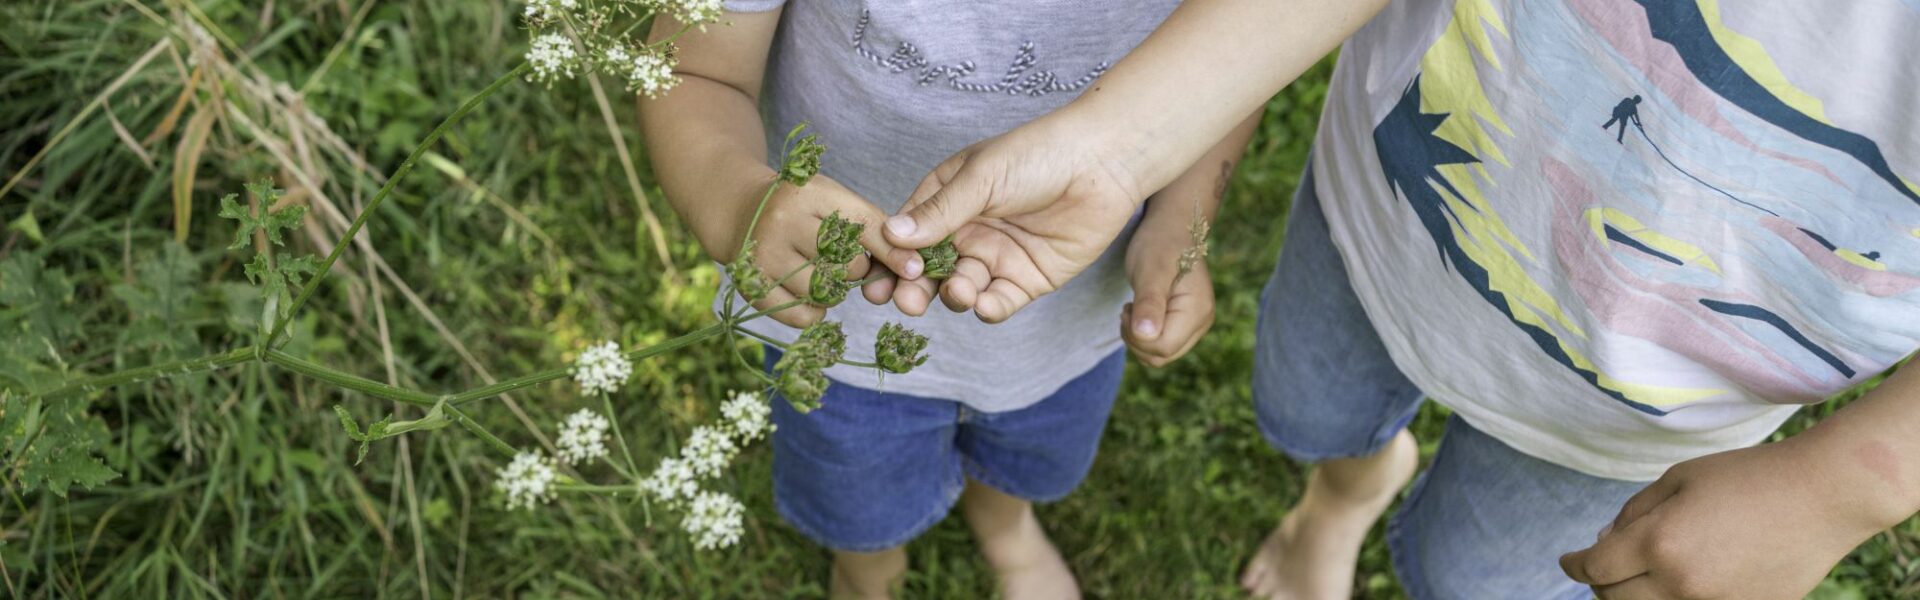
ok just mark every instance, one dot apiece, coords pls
pixel 829 285
pixel 939 259
pixel 803 160
pixel 898 349
pixel 838 241
pixel 823 341
pixel 748 279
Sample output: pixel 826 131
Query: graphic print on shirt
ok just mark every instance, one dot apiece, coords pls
pixel 1020 78
pixel 1712 217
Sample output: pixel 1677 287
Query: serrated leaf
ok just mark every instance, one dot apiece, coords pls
pixel 53 445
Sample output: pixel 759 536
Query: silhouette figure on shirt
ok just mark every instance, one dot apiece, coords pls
pixel 1627 111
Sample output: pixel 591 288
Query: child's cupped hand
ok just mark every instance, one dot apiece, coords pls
pixel 1170 311
pixel 786 241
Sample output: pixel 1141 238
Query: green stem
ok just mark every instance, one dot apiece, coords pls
pixel 166 369
pixel 381 196
pixel 474 426
pixel 562 372
pixel 348 380
pixel 748 239
pixel 598 489
pixel 777 344
pixel 621 438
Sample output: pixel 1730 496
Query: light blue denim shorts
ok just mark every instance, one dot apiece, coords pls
pixel 871 470
pixel 1484 521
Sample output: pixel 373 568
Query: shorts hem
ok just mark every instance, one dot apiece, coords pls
pixel 914 531
pixel 1302 454
pixel 979 472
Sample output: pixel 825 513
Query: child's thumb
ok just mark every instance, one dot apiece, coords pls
pixel 1148 316
pixel 948 198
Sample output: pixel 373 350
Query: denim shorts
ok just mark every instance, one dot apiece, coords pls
pixel 1484 521
pixel 870 470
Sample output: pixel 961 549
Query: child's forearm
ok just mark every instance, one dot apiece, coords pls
pixel 1875 443
pixel 1208 65
pixel 705 137
pixel 1203 185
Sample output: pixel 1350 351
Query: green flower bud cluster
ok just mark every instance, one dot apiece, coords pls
pixel 838 241
pixel 939 259
pixel 748 279
pixel 803 158
pixel 829 285
pixel 797 376
pixel 898 349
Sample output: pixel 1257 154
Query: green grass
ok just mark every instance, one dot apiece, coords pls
pixel 519 240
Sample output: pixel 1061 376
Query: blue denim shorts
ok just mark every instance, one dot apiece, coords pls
pixel 1484 521
pixel 870 470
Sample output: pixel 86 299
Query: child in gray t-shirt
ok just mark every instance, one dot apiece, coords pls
pixel 1003 414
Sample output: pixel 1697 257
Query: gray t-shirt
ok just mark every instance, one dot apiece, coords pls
pixel 893 88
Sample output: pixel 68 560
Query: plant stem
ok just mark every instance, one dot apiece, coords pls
pixel 746 241
pixel 558 373
pixel 598 489
pixel 348 380
pixel 474 426
pixel 777 344
pixel 166 369
pixel 381 196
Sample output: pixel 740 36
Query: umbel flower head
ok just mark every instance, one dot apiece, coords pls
pixel 803 157
pixel 897 349
pixel 828 286
pixel 544 11
pixel 601 369
pixel 748 279
pixel 939 259
pixel 583 437
pixel 526 481
pixel 747 416
pixel 708 451
pixel 715 520
pixel 649 73
pixel 798 375
pixel 672 482
pixel 838 241
pixel 553 57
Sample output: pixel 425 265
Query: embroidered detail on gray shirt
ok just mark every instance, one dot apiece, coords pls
pixel 1020 78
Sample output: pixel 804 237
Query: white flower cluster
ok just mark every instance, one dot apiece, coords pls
pixel 527 481
pixel 583 437
pixel 601 369
pixel 572 36
pixel 747 416
pixel 708 450
pixel 553 57
pixel 715 520
pixel 672 482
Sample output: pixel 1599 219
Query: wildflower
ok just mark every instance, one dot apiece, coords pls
pixel 549 10
pixel 672 482
pixel 803 160
pixel 601 369
pixel 708 450
pixel 828 286
pixel 650 73
pixel 939 259
pixel 694 12
pixel 747 416
pixel 824 341
pixel 800 382
pixel 838 241
pixel 526 481
pixel 1197 247
pixel 553 57
pixel 897 348
pixel 583 437
pixel 715 520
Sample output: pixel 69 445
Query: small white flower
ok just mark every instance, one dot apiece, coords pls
pixel 601 369
pixel 715 520
pixel 527 481
pixel 708 450
pixel 547 10
pixel 747 416
pixel 583 437
pixel 673 481
pixel 553 57
pixel 694 12
pixel 650 73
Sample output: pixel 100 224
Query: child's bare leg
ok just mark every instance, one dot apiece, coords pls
pixel 1312 554
pixel 867 575
pixel 1028 565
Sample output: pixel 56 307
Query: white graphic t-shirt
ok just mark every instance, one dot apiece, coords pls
pixel 1619 234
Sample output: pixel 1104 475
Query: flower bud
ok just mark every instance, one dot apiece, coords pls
pixel 897 349
pixel 803 161
pixel 838 240
pixel 824 341
pixel 801 385
pixel 939 259
pixel 748 279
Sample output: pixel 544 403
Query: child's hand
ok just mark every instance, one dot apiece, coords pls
pixel 785 242
pixel 1170 312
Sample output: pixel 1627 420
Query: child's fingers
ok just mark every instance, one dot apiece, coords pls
pixel 960 291
pixel 878 291
pixel 912 296
pixel 1000 301
pixel 1151 288
pixel 1615 558
pixel 899 260
pixel 796 316
pixel 1005 258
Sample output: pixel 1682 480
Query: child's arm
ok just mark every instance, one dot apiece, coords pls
pixel 1768 521
pixel 709 154
pixel 1170 312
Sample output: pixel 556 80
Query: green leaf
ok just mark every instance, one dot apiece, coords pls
pixel 28 226
pixel 52 445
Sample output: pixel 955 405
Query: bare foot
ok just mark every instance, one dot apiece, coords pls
pixel 1016 546
pixel 1312 554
